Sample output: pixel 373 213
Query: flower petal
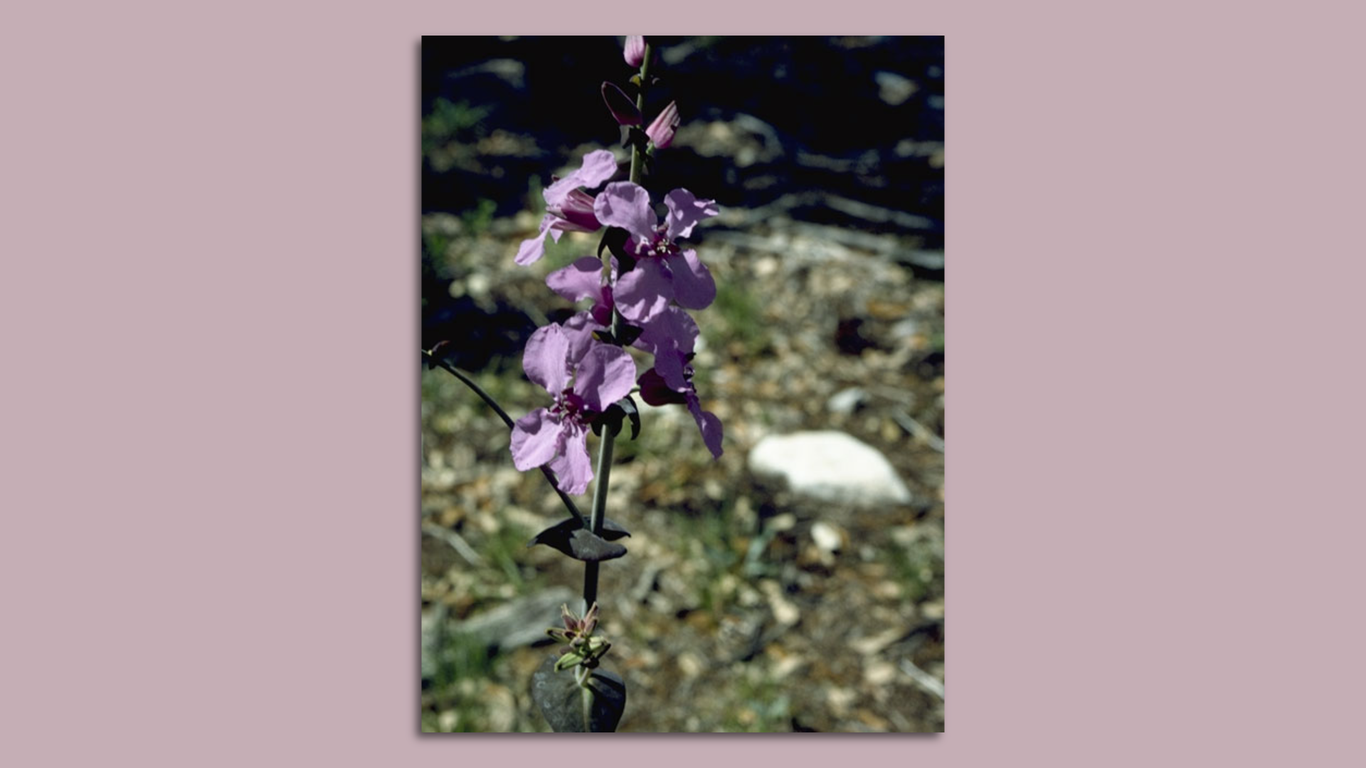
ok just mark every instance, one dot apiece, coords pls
pixel 643 292
pixel 669 365
pixel 579 330
pixel 708 424
pixel 533 249
pixel 693 285
pixel 626 205
pixel 573 469
pixel 685 210
pixel 598 166
pixel 545 358
pixel 535 440
pixel 670 337
pixel 605 375
pixel 580 280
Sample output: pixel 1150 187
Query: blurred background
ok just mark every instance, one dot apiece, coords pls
pixel 791 584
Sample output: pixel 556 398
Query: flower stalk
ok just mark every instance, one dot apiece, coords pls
pixel 605 444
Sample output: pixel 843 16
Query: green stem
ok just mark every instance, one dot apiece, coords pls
pixel 640 104
pixel 590 570
pixel 549 476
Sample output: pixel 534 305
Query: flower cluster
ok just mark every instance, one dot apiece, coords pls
pixel 640 299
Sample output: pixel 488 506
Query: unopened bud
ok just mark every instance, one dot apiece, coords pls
pixel 635 50
pixel 623 110
pixel 661 131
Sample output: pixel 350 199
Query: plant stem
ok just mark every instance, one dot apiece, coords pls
pixel 590 570
pixel 640 104
pixel 549 476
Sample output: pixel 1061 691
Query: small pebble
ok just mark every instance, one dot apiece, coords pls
pixel 827 537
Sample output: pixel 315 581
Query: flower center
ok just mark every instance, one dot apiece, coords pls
pixel 661 246
pixel 568 405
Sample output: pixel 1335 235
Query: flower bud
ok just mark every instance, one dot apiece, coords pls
pixel 623 110
pixel 635 50
pixel 661 131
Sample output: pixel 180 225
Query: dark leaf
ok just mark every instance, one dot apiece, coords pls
pixel 608 419
pixel 628 333
pixel 563 703
pixel 629 406
pixel 615 239
pixel 612 417
pixel 612 531
pixel 571 538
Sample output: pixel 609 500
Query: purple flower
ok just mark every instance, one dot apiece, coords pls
pixel 568 208
pixel 663 127
pixel 670 336
pixel 558 435
pixel 663 272
pixel 634 52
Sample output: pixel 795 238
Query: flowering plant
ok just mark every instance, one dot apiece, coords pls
pixel 641 292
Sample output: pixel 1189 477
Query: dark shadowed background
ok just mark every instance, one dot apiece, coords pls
pixel 745 603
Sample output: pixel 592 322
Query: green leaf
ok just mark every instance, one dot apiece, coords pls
pixel 571 659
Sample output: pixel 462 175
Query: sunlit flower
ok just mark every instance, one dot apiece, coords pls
pixel 558 435
pixel 663 271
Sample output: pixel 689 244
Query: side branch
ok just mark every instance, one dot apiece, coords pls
pixel 434 362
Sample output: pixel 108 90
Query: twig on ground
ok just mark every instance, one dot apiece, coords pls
pixel 918 430
pixel 924 679
pixel 455 540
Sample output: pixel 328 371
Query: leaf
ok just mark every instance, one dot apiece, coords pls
pixel 615 239
pixel 611 418
pixel 633 413
pixel 628 334
pixel 571 659
pixel 612 530
pixel 571 538
pixel 563 704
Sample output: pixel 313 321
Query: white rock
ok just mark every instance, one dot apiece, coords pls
pixel 830 466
